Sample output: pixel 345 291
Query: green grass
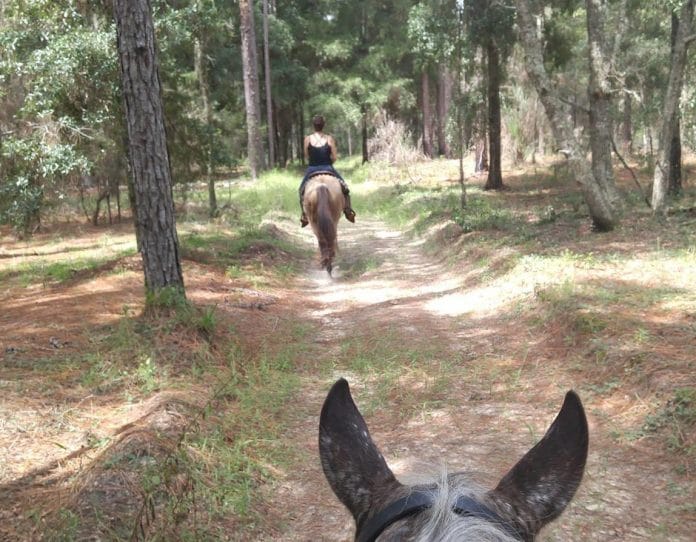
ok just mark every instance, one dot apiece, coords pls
pixel 44 272
pixel 412 374
pixel 229 453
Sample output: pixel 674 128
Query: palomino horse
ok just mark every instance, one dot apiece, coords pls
pixel 323 205
pixel 534 492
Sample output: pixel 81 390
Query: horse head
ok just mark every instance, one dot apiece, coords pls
pixel 533 493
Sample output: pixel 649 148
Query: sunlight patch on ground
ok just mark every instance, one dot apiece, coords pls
pixel 483 300
pixel 387 234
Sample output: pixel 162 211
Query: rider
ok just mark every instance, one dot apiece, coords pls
pixel 320 153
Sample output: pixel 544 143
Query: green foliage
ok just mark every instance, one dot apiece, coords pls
pixel 31 168
pixel 490 20
pixel 481 214
pixel 678 418
pixel 62 102
pixel 168 298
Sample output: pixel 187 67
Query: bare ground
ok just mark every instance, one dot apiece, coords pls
pixel 482 422
pixel 466 383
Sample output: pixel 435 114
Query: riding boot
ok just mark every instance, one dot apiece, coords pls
pixel 350 214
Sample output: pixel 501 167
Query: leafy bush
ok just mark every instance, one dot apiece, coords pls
pixel 479 214
pixel 31 167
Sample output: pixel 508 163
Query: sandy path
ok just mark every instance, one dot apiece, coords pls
pixel 477 430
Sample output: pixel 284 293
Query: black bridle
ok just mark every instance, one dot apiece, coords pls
pixel 416 502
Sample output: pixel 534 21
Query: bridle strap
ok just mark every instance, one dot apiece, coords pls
pixel 418 501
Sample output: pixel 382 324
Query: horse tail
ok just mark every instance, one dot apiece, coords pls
pixel 327 227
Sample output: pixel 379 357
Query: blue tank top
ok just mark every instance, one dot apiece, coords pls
pixel 319 156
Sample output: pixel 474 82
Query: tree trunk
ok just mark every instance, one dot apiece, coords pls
pixel 147 144
pixel 670 110
pixel 602 210
pixel 675 155
pixel 495 175
pixel 199 64
pixel 427 115
pixel 300 136
pixel 251 87
pixel 675 159
pixel 627 124
pixel 269 100
pixel 365 157
pixel 600 92
pixel 444 98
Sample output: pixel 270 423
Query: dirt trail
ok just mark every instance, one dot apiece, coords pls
pixel 443 363
pixel 485 422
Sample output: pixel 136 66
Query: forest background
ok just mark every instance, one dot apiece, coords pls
pixel 523 177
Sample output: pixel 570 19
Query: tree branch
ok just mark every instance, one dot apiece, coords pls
pixel 635 179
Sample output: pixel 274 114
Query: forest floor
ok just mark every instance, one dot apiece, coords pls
pixel 459 347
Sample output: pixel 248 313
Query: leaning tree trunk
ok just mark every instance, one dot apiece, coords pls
pixel 600 96
pixel 670 108
pixel 495 174
pixel 427 115
pixel 252 102
pixel 602 209
pixel 147 145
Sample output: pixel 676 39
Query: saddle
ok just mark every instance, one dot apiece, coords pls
pixel 317 173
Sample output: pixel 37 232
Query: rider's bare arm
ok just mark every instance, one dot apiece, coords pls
pixel 332 143
pixel 305 146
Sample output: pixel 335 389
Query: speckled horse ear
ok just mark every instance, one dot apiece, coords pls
pixel 542 483
pixel 354 467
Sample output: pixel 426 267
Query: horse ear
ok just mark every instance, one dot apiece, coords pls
pixel 354 467
pixel 539 487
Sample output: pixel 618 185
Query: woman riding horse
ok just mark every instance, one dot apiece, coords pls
pixel 320 152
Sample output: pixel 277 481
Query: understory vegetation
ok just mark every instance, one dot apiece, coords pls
pixel 210 391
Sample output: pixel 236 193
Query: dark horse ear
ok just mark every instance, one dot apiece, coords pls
pixel 539 487
pixel 353 465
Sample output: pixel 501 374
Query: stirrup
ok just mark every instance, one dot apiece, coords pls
pixel 303 221
pixel 350 214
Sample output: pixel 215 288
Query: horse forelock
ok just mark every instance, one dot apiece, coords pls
pixel 440 523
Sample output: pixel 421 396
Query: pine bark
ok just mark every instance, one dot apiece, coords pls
pixel 495 174
pixel 602 208
pixel 252 103
pixel 670 108
pixel 147 146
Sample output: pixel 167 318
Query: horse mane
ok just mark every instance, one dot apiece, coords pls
pixel 442 524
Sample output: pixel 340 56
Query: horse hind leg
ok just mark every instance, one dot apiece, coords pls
pixel 327 255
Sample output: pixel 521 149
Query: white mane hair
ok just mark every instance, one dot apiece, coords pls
pixel 441 524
